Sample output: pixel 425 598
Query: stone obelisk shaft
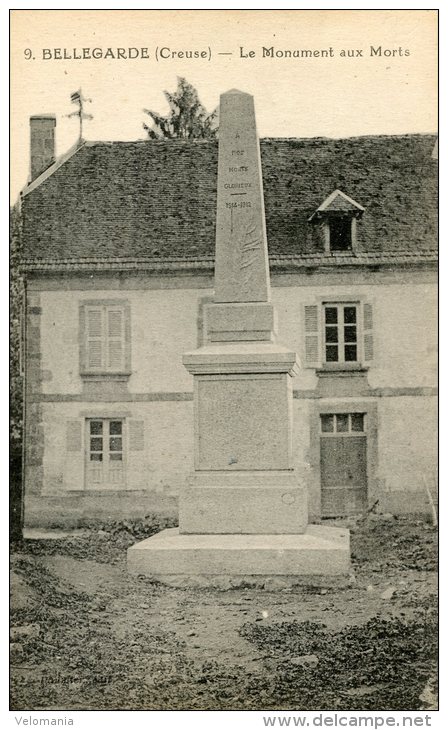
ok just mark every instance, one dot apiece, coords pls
pixel 241 265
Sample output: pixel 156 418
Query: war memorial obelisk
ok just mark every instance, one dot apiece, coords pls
pixel 243 515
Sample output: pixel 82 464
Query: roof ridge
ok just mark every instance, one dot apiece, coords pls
pixel 406 135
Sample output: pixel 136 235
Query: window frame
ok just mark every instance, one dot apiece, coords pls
pixel 106 484
pixel 341 342
pixel 327 235
pixel 102 372
pixel 350 431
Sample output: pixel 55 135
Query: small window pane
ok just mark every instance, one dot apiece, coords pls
pixel 96 427
pixel 96 444
pixel 350 334
pixel 350 353
pixel 96 457
pixel 331 334
pixel 115 428
pixel 342 422
pixel 327 422
pixel 331 315
pixel 349 315
pixel 115 444
pixel 357 421
pixel 116 457
pixel 331 353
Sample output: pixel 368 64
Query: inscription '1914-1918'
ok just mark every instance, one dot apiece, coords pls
pixel 241 204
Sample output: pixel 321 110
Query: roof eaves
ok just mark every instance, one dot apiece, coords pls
pixel 207 262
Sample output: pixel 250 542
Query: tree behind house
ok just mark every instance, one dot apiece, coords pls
pixel 187 119
pixel 16 296
pixel 16 379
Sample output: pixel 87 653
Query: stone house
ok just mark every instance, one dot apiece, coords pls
pixel 119 245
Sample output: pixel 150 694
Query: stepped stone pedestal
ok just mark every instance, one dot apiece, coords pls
pixel 318 557
pixel 243 515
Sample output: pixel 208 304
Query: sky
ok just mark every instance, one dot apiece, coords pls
pixel 387 91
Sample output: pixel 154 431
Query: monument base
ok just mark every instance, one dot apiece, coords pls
pixel 320 556
pixel 243 502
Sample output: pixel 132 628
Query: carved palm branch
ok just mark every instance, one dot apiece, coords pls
pixel 248 245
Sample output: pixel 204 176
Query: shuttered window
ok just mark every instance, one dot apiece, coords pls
pixel 338 333
pixel 105 338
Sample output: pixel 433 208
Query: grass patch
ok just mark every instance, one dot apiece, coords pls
pixel 105 541
pixel 381 664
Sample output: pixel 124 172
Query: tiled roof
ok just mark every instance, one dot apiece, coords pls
pixel 155 201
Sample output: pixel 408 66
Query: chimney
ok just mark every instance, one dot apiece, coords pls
pixel 42 143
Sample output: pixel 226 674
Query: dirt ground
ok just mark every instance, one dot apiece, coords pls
pixel 85 635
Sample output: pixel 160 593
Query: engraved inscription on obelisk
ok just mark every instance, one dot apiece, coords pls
pixel 241 265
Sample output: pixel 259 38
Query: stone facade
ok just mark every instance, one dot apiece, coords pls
pixel 397 388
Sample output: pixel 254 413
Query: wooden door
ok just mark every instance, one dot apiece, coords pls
pixel 343 464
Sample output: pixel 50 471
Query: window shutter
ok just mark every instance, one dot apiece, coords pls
pixel 138 473
pixel 74 435
pixel 73 474
pixel 368 332
pixel 105 346
pixel 95 343
pixel 311 319
pixel 115 337
pixel 136 435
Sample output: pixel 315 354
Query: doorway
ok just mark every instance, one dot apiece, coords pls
pixel 343 463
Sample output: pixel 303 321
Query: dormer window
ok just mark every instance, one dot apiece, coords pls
pixel 340 233
pixel 337 216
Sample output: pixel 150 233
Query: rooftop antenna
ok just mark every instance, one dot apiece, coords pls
pixel 80 100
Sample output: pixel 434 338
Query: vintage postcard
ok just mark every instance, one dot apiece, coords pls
pixel 224 361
